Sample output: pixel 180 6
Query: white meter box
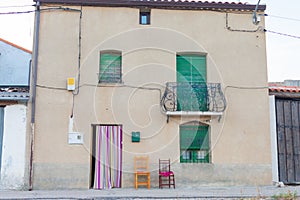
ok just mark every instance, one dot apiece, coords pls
pixel 75 138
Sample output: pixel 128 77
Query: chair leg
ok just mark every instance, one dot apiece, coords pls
pixel 159 182
pixel 148 181
pixel 173 181
pixel 135 181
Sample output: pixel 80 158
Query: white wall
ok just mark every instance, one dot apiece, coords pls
pixel 273 139
pixel 13 149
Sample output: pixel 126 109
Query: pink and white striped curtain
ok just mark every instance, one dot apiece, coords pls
pixel 108 157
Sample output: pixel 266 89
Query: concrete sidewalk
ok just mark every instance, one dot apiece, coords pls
pixel 265 192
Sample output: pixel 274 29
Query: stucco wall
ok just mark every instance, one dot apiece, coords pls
pixel 240 139
pixel 13 149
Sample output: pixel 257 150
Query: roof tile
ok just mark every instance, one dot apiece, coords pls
pixel 169 4
pixel 289 89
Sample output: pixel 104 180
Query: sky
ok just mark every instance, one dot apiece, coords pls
pixel 282 51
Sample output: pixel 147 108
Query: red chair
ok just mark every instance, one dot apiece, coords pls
pixel 166 176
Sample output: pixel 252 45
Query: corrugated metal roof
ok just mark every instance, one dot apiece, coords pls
pixel 17 96
pixel 166 4
pixel 14 93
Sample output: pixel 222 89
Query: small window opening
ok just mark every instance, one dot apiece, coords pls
pixel 144 17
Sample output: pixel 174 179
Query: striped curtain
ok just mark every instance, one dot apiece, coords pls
pixel 108 157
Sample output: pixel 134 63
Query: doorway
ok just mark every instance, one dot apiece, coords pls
pixel 106 164
pixel 191 82
pixel 288 139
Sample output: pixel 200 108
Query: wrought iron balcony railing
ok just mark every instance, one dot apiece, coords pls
pixel 206 97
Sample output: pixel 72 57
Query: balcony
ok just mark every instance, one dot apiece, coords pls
pixel 193 99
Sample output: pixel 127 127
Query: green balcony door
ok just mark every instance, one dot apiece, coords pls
pixel 191 82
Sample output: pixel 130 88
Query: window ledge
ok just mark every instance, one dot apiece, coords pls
pixel 110 84
pixel 197 163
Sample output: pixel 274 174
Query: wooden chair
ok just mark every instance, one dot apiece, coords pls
pixel 166 176
pixel 141 171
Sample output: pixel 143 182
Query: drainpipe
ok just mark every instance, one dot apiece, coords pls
pixel 33 99
pixel 29 66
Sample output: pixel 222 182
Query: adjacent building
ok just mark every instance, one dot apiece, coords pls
pixel 14 95
pixel 168 79
pixel 285 134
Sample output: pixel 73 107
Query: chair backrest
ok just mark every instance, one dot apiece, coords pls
pixel 164 165
pixel 141 163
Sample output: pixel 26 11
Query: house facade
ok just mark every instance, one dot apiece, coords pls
pixel 179 80
pixel 14 95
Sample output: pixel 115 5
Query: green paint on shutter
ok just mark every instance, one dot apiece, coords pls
pixel 194 144
pixel 191 68
pixel 194 137
pixel 191 81
pixel 110 67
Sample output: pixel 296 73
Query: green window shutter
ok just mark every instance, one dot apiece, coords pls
pixel 183 65
pixel 191 83
pixel 194 144
pixel 110 67
pixel 203 137
pixel 194 137
pixel 191 68
pixel 189 138
pixel 198 68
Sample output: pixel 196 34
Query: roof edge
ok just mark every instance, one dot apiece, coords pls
pixel 15 45
pixel 285 95
pixel 286 92
pixel 170 4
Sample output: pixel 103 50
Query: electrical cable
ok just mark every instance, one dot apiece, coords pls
pixel 244 88
pixel 91 85
pixel 259 28
pixel 122 85
pixel 282 34
pixel 287 18
pixel 17 12
pixel 45 9
pixel 79 63
pixel 50 87
pixel 1 7
pixel 79 51
pixel 99 85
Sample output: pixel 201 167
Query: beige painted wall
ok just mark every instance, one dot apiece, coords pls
pixel 237 60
